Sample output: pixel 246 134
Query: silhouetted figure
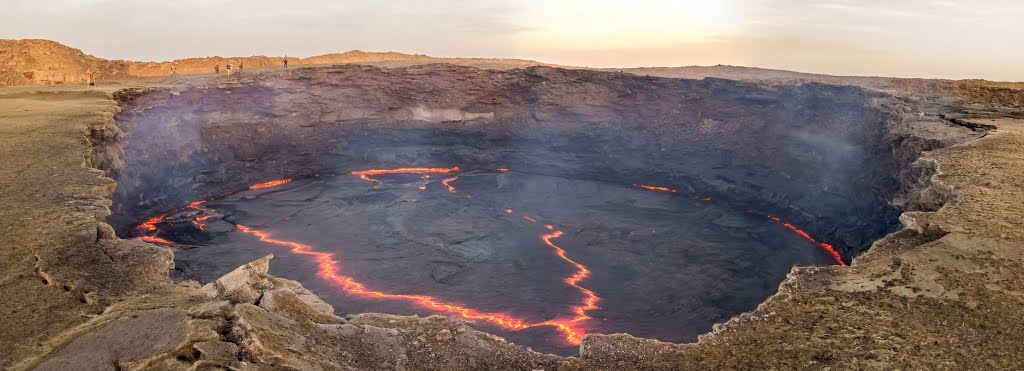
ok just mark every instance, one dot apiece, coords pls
pixel 241 65
pixel 229 68
pixel 216 69
pixel 286 61
pixel 174 70
pixel 88 78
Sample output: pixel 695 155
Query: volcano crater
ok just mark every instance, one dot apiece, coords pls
pixel 541 204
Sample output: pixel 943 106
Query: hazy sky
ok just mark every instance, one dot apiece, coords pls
pixel 921 38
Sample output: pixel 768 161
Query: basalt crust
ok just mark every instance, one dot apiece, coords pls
pixel 944 292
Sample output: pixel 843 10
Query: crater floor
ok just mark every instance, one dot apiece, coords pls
pixel 652 263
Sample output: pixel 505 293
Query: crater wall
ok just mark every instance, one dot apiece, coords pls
pixel 836 160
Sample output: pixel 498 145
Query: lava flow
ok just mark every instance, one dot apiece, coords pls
pixel 154 239
pixel 198 222
pixel 590 302
pixel 329 271
pixel 571 330
pixel 831 250
pixel 150 225
pixel 272 183
pixel 448 183
pixel 328 266
pixel 365 174
pixel 655 188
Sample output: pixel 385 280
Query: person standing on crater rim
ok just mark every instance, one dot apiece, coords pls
pixel 286 61
pixel 241 65
pixel 216 68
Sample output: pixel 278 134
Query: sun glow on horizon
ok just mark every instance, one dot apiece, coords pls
pixel 581 25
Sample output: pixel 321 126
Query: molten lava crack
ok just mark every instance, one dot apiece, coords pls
pixel 365 174
pixel 828 248
pixel 272 183
pixel 448 183
pixel 154 239
pixel 655 188
pixel 570 328
pixel 591 299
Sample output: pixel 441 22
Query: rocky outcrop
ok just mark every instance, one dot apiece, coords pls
pixel 251 320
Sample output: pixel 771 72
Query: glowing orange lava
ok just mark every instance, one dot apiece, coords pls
pixel 154 239
pixel 503 169
pixel 198 222
pixel 590 299
pixel 329 271
pixel 272 183
pixel 328 268
pixel 532 220
pixel 828 248
pixel 150 225
pixel 448 183
pixel 365 174
pixel 655 188
pixel 408 170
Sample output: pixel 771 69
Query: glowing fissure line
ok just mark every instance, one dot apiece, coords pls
pixel 329 271
pixel 570 328
pixel 407 170
pixel 154 239
pixel 448 183
pixel 591 299
pixel 365 174
pixel 573 334
pixel 655 188
pixel 150 225
pixel 198 222
pixel 828 248
pixel 272 183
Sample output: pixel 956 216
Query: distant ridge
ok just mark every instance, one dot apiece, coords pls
pixel 34 61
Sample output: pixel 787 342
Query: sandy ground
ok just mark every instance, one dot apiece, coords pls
pixel 53 238
pixel 75 297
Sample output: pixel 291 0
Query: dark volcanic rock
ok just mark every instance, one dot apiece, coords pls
pixel 823 157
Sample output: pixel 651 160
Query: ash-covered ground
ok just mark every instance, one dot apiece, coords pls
pixel 663 265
